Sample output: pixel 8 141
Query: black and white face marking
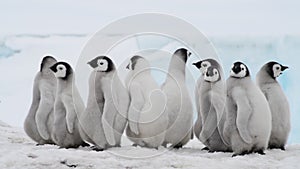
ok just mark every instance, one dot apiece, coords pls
pixel 275 69
pixel 239 70
pixel 202 66
pixel 132 62
pixel 102 64
pixel 212 74
pixel 205 64
pixel 61 70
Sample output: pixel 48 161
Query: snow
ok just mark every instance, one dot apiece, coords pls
pixel 18 151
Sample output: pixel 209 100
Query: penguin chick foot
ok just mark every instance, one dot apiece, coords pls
pixel 98 149
pixel 261 152
pixel 205 149
pixel 178 146
pixel 240 154
pixel 85 144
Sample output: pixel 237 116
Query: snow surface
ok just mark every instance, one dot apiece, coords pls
pixel 17 151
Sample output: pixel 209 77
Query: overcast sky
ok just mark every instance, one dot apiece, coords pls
pixel 213 17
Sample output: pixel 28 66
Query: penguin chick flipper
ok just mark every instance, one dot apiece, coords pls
pixel 71 115
pixel 135 107
pixel 209 127
pixel 225 136
pixel 108 118
pixel 219 105
pixel 34 105
pixel 42 114
pixel 243 114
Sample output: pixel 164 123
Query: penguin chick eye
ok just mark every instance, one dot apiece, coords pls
pixel 277 68
pixel 216 72
pixel 204 65
pixel 101 63
pixel 243 68
pixel 60 68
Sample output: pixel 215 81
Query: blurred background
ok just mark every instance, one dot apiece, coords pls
pixel 251 31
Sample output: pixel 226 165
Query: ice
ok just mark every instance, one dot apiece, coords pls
pixel 6 51
pixel 18 151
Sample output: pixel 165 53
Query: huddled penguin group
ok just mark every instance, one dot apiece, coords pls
pixel 234 115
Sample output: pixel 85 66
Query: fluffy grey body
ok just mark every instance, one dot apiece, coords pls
pixel 68 107
pixel 106 112
pixel 210 102
pixel 38 124
pixel 266 80
pixel 179 104
pixel 91 129
pixel 248 121
pixel 147 119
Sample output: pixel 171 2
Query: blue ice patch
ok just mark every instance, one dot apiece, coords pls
pixel 6 51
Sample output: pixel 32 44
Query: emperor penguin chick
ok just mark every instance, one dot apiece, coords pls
pixel 248 122
pixel 67 108
pixel 179 105
pixel 212 98
pixel 202 65
pixel 281 125
pixel 147 118
pixel 39 121
pixel 105 116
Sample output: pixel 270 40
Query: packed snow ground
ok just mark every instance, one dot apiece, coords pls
pixel 17 151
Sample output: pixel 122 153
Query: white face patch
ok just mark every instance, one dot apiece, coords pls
pixel 214 77
pixel 61 71
pixel 277 70
pixel 204 66
pixel 240 74
pixel 102 65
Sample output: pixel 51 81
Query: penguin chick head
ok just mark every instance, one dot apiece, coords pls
pixel 62 70
pixel 203 65
pixel 239 70
pixel 102 64
pixel 183 54
pixel 133 61
pixel 47 62
pixel 212 74
pixel 275 69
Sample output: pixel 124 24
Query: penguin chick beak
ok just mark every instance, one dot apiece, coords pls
pixel 189 54
pixel 207 74
pixel 53 68
pixel 92 64
pixel 127 67
pixel 284 68
pixel 197 64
